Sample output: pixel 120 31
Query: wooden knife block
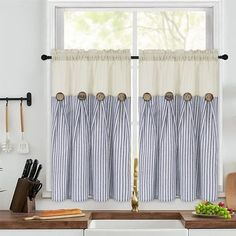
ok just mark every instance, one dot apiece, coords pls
pixel 20 201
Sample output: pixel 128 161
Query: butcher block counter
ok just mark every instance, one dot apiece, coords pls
pixel 9 220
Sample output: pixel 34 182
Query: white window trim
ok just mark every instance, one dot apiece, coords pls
pixel 218 19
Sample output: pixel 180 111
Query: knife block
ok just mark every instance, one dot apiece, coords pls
pixel 20 201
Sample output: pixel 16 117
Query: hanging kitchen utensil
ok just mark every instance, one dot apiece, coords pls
pixel 7 146
pixel 23 146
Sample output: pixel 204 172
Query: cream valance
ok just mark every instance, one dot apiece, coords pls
pixel 92 71
pixel 179 72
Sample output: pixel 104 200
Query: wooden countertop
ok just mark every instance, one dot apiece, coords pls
pixel 100 215
pixel 10 220
pixel 194 222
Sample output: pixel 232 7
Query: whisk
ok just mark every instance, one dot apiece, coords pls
pixel 7 146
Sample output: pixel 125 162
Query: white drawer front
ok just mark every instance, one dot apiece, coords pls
pixel 212 232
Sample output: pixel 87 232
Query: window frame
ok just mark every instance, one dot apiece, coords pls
pixel 55 9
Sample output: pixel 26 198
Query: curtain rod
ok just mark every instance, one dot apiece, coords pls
pixel 45 57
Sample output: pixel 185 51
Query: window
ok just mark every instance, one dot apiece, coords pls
pixel 134 29
pixel 118 29
pixel 134 26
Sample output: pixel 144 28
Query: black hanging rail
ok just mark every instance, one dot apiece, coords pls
pixel 28 99
pixel 223 57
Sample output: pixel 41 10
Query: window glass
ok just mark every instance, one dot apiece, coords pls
pixel 97 30
pixel 179 29
pixel 162 29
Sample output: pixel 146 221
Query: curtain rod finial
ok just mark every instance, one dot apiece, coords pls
pixel 45 57
pixel 224 57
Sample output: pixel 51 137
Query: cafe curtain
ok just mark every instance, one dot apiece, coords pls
pixel 178 106
pixel 90 128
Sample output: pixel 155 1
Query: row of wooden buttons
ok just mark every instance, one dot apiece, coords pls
pixel 169 96
pixel 82 96
pixel 146 96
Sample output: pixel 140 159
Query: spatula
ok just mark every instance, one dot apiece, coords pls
pixel 7 146
pixel 23 146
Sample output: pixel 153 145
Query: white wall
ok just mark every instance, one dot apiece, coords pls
pixel 22 41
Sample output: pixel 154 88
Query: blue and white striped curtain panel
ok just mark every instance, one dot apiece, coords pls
pixel 90 108
pixel 178 106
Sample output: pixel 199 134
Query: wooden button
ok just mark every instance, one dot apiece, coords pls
pixel 147 96
pixel 209 97
pixel 82 96
pixel 100 96
pixel 169 96
pixel 187 96
pixel 60 96
pixel 121 97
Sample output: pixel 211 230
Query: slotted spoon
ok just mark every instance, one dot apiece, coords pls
pixel 23 146
pixel 7 146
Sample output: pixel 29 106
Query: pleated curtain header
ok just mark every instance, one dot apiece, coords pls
pixel 179 72
pixel 91 55
pixel 106 71
pixel 179 55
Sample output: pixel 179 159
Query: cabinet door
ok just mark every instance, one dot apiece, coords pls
pixel 46 232
pixel 212 232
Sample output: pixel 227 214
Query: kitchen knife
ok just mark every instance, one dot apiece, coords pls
pixel 27 168
pixel 33 169
pixel 37 172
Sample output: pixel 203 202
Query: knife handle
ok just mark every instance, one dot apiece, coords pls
pixel 33 170
pixel 26 168
pixel 37 172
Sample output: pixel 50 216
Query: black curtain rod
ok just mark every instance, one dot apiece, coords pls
pixel 28 99
pixel 45 57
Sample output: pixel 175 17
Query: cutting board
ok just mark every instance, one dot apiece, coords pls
pixel 230 190
pixel 53 217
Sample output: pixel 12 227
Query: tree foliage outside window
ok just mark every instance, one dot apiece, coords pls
pixel 171 29
pixel 97 30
